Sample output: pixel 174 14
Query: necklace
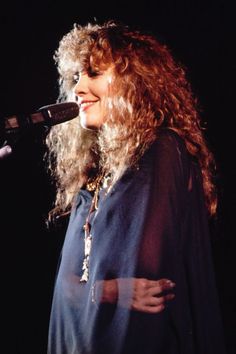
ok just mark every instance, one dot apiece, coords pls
pixel 95 186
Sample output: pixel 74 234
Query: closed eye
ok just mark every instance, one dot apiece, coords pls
pixel 93 73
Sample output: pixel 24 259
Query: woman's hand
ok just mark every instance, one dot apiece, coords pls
pixel 138 294
pixel 148 295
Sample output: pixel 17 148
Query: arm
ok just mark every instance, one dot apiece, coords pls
pixel 147 295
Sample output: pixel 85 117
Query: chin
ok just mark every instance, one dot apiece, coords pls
pixel 89 124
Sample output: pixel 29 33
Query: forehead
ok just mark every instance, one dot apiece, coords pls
pixel 91 65
pixel 92 53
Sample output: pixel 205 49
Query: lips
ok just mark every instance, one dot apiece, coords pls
pixel 87 104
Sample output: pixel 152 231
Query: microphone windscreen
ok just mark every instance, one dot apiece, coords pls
pixel 60 112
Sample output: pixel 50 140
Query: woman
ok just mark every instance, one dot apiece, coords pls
pixel 135 172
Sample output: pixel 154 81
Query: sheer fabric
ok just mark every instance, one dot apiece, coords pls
pixel 152 224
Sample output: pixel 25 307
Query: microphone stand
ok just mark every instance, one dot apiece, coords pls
pixel 9 141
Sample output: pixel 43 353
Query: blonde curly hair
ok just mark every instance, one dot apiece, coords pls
pixel 151 91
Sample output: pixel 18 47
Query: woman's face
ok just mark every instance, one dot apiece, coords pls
pixel 90 90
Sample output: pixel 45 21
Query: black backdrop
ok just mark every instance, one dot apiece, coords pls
pixel 201 34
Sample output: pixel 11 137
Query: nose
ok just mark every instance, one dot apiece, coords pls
pixel 81 87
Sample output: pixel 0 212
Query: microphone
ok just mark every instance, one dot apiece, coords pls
pixel 47 116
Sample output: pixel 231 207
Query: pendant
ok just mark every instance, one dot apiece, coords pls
pixel 87 249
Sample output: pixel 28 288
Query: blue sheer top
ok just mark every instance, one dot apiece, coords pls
pixel 152 224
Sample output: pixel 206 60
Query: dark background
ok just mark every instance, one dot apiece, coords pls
pixel 201 35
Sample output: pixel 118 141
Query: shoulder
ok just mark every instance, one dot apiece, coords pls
pixel 169 137
pixel 171 144
pixel 169 156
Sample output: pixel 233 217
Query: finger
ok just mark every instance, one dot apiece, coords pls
pixel 151 283
pixel 162 284
pixel 156 301
pixel 154 309
pixel 169 297
pixel 157 290
pixel 148 309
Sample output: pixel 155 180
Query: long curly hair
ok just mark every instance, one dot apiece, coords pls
pixel 151 91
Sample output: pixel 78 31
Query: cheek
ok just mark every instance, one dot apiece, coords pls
pixel 102 87
pixel 102 92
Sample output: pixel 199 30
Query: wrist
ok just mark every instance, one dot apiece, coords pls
pixel 105 291
pixel 110 291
